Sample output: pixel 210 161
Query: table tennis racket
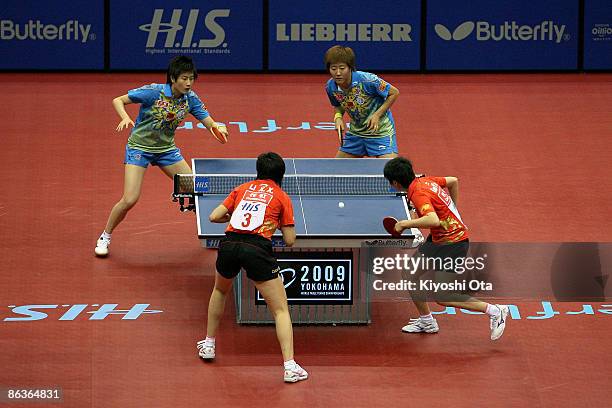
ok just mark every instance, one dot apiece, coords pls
pixel 389 224
pixel 340 137
pixel 220 136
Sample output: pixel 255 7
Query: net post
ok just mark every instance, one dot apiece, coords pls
pixel 176 186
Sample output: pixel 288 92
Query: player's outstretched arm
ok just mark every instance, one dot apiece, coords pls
pixel 288 235
pixel 210 123
pixel 219 215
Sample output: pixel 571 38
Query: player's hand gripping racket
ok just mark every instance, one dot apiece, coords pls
pixel 340 136
pixel 219 135
pixel 389 224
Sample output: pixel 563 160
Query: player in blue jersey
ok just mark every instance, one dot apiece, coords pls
pixel 162 108
pixel 367 99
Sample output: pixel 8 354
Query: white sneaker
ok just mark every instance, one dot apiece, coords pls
pixel 295 374
pixel 207 352
pixel 498 323
pixel 421 326
pixel 102 246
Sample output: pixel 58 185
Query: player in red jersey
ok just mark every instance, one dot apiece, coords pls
pixel 449 240
pixel 255 210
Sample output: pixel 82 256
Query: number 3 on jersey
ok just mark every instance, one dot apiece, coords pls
pixel 248 215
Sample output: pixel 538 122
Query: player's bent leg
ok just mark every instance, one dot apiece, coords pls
pixel 425 323
pixel 180 167
pixel 133 177
pixel 498 314
pixel 276 298
pixel 132 186
pixel 216 306
pixel 471 304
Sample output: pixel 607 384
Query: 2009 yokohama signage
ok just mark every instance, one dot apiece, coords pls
pixel 316 277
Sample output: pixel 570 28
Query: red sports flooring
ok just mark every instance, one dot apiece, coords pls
pixel 533 154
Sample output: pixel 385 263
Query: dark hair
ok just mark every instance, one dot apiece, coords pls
pixel 270 166
pixel 339 54
pixel 179 65
pixel 399 169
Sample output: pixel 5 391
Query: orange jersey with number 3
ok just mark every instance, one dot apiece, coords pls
pixel 259 207
pixel 428 195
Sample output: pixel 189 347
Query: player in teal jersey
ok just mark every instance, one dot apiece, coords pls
pixel 367 99
pixel 162 108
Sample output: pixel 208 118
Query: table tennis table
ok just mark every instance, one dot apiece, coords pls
pixel 316 187
pixel 319 221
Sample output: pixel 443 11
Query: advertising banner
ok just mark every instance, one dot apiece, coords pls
pixel 47 35
pixel 316 277
pixel 502 35
pixel 384 35
pixel 598 34
pixel 216 34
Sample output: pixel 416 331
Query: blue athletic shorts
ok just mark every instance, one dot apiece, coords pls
pixel 369 146
pixel 143 159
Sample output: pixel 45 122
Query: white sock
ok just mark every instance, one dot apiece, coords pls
pixel 289 364
pixel 105 235
pixel 492 310
pixel 209 341
pixel 428 318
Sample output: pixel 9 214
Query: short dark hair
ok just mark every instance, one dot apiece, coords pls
pixel 179 65
pixel 270 166
pixel 399 169
pixel 340 54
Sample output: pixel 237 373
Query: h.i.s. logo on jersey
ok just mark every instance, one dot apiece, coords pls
pixel 190 35
pixel 251 210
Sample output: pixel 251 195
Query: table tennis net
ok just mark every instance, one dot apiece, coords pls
pixel 200 184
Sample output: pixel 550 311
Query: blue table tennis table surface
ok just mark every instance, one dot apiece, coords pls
pixel 319 222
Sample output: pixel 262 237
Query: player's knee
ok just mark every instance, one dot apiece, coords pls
pixel 280 310
pixel 220 290
pixel 450 298
pixel 129 201
pixel 443 298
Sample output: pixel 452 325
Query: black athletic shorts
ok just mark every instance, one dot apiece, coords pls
pixel 454 250
pixel 250 252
